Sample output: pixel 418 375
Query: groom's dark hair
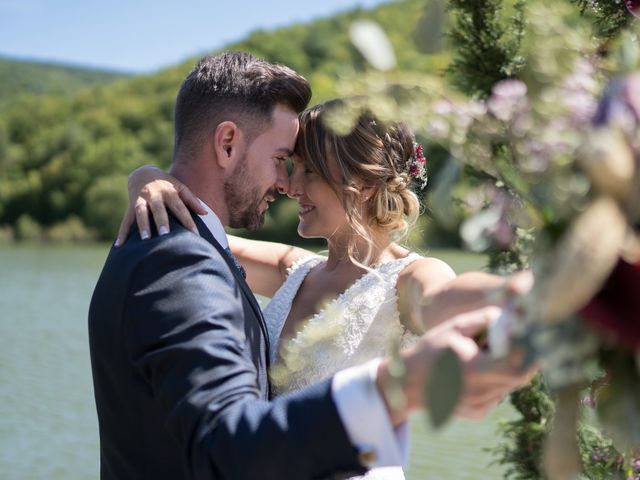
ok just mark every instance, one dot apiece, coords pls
pixel 238 87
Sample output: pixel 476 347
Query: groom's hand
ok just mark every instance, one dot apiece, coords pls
pixel 486 381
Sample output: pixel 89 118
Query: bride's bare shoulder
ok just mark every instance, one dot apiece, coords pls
pixel 427 269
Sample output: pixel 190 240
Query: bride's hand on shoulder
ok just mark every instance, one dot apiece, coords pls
pixel 153 190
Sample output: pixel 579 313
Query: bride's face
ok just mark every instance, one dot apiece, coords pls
pixel 320 213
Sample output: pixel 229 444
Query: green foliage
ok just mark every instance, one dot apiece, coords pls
pixel 599 457
pixel 609 16
pixel 323 53
pixel 63 149
pixel 486 45
pixel 19 77
pixel 523 439
pixel 106 202
pixel 26 228
pixel 70 230
pixel 521 446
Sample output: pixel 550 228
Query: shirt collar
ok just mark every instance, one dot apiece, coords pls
pixel 214 225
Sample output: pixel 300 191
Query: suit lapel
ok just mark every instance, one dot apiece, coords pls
pixel 206 234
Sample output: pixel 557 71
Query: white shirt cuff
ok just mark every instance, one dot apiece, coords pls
pixel 366 419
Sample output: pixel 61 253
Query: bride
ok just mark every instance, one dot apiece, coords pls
pixel 369 293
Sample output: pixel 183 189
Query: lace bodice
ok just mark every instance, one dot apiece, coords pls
pixel 360 324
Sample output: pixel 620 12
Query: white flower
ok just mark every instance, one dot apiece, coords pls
pixel 507 97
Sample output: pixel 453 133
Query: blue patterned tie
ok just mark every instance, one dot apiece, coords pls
pixel 236 262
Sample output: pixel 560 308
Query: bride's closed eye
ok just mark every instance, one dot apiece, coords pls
pixel 296 166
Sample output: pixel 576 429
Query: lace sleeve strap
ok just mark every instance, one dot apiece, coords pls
pixel 309 260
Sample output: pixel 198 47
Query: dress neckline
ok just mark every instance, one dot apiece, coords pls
pixel 312 262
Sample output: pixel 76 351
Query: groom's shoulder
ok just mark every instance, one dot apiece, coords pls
pixel 179 244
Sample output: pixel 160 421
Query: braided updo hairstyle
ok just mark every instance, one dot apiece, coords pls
pixel 370 155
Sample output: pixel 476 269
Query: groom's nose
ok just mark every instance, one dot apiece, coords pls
pixel 282 181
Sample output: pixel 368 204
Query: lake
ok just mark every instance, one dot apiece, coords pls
pixel 48 424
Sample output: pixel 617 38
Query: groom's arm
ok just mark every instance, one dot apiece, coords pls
pixel 185 332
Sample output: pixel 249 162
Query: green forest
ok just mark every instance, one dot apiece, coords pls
pixel 66 147
pixel 22 77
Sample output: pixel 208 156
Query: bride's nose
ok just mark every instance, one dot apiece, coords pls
pixel 295 186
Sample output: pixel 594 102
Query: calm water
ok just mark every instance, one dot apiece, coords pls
pixel 48 425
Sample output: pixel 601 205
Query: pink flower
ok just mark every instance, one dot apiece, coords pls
pixel 588 400
pixel 507 97
pixel 633 6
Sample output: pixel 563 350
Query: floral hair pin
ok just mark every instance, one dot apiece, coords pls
pixel 417 166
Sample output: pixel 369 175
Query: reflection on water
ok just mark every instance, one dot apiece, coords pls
pixel 48 425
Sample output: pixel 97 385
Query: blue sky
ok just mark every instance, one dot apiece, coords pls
pixel 143 35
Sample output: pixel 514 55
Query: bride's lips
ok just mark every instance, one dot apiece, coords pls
pixel 305 209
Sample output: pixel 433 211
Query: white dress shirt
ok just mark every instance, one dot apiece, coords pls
pixel 357 399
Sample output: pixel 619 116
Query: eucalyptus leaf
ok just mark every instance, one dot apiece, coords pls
pixel 440 195
pixel 341 119
pixel 629 52
pixel 430 30
pixel 444 387
pixel 374 45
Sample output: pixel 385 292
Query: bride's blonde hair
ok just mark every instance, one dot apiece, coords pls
pixel 370 155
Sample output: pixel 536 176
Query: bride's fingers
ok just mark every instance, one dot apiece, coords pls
pixel 142 218
pixel 519 283
pixel 472 323
pixel 125 226
pixel 159 214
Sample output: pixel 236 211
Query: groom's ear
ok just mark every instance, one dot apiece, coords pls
pixel 226 143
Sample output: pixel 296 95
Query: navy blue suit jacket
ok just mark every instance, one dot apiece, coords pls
pixel 179 359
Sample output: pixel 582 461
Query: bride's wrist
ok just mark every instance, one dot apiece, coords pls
pixel 146 172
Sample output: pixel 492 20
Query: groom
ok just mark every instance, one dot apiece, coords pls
pixel 178 342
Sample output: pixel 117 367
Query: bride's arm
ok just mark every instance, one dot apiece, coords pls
pixel 429 293
pixel 266 263
pixel 151 189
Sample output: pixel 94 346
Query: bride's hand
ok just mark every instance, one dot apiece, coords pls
pixel 466 292
pixel 486 381
pixel 151 189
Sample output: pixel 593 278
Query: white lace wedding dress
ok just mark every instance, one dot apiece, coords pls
pixel 360 324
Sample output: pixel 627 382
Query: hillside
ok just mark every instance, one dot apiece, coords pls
pixel 21 77
pixel 64 158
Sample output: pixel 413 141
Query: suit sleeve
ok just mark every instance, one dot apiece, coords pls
pixel 185 335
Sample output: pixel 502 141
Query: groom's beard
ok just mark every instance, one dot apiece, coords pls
pixel 243 202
